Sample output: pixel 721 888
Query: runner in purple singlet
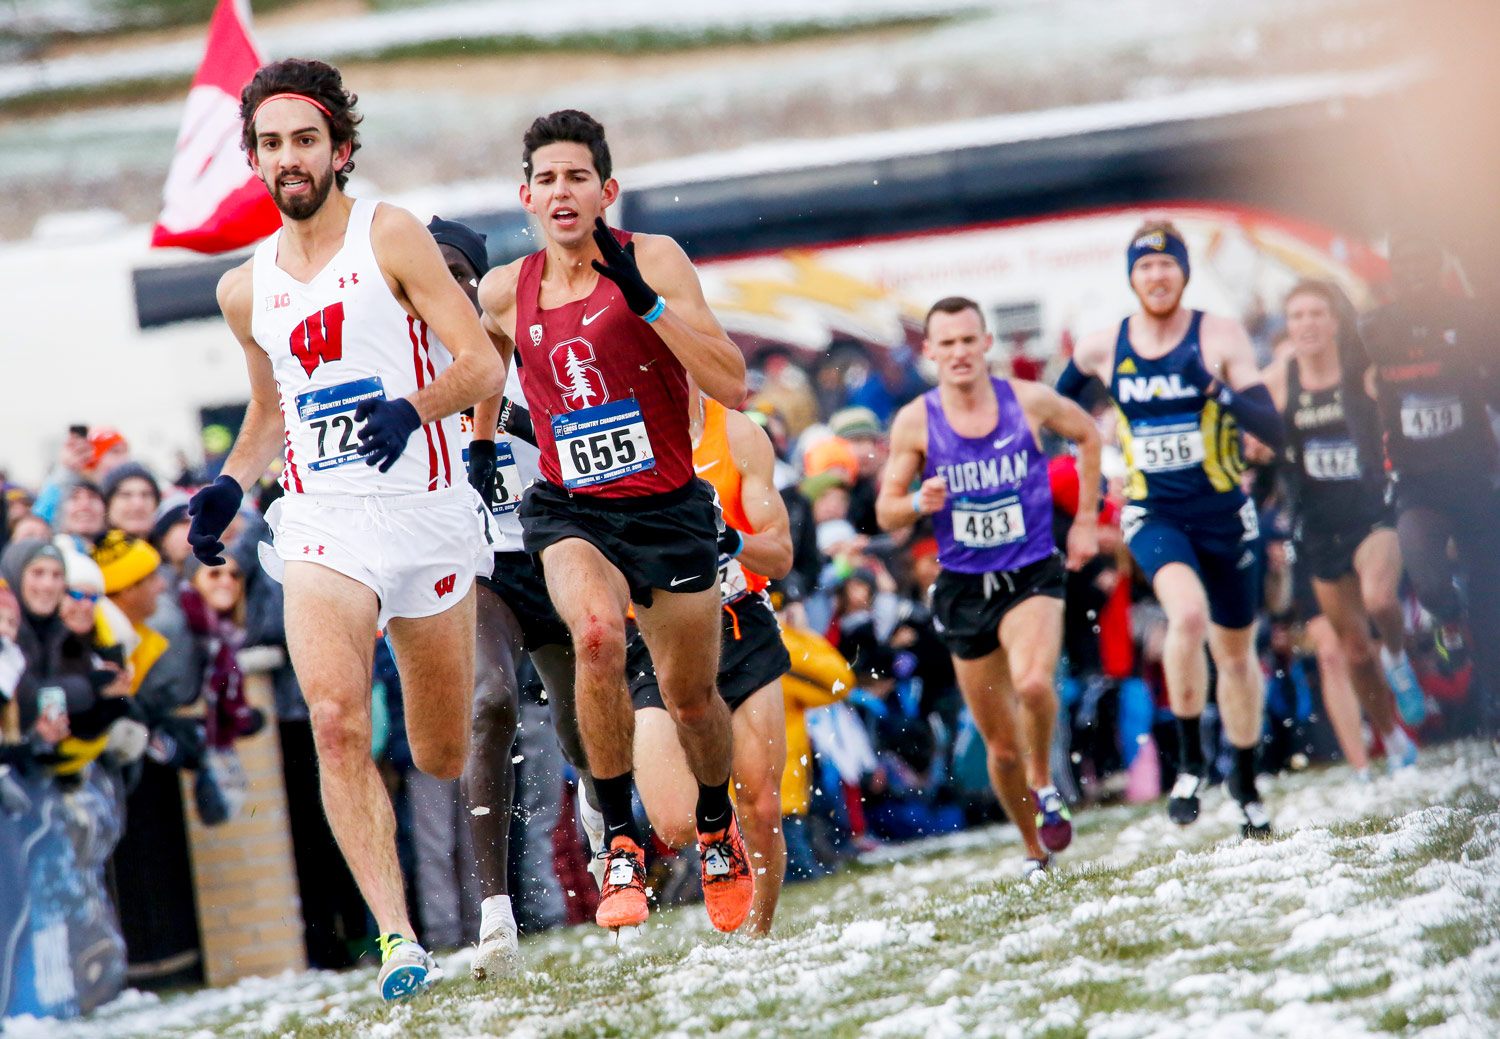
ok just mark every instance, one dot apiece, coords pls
pixel 998 601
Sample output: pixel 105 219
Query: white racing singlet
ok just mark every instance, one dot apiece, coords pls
pixel 334 341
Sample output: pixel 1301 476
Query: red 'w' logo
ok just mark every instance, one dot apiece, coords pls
pixel 319 338
pixel 445 585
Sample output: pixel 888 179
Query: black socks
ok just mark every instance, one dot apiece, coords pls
pixel 1241 781
pixel 614 805
pixel 1190 747
pixel 714 810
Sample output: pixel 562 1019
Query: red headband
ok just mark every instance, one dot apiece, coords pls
pixel 296 97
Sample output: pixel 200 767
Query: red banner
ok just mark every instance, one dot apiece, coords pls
pixel 212 202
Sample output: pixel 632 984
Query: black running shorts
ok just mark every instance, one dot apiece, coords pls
pixel 516 581
pixel 1326 547
pixel 968 608
pixel 751 656
pixel 667 541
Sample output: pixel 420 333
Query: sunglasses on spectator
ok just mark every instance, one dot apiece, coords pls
pixel 74 593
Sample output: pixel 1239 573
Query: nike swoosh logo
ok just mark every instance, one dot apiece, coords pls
pixel 705 468
pixel 588 318
pixel 677 581
pixel 1001 443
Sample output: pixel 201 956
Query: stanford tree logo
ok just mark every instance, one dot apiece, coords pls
pixel 574 371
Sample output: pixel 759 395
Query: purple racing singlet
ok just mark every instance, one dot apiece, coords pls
pixel 999 510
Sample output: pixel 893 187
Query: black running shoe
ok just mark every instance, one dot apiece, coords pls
pixel 1182 803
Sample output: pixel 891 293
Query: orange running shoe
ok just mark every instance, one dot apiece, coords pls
pixel 622 896
pixel 728 884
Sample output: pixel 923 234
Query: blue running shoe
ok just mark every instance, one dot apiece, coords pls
pixel 1054 823
pixel 406 969
pixel 1410 700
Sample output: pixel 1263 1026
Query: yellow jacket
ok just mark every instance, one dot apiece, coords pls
pixel 819 676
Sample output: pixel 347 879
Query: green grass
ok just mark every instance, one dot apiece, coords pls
pixel 1147 924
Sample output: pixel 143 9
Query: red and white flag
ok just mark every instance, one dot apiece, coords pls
pixel 212 202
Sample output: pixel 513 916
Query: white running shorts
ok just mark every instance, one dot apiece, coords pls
pixel 418 553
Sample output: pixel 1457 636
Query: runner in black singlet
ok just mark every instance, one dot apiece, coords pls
pixel 1343 531
pixel 1430 361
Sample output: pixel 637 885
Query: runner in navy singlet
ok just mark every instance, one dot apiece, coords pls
pixel 606 327
pixel 998 601
pixel 1184 383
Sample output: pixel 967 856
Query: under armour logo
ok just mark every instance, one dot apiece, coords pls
pixel 353 280
pixel 309 550
pixel 445 585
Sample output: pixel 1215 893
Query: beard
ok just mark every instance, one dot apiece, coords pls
pixel 301 207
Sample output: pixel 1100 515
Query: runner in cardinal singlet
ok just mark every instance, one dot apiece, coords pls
pixel 998 601
pixel 607 328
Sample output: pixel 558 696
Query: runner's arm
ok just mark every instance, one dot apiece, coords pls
pixel 896 505
pixel 409 254
pixel 1050 409
pixel 262 433
pixel 688 326
pixel 769 550
pixel 1092 355
pixel 1234 380
pixel 497 297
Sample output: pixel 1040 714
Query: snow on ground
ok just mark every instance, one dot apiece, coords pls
pixel 1371 914
pixel 473 19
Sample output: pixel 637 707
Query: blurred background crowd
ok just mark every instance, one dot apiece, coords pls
pixel 124 670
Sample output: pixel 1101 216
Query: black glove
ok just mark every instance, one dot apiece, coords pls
pixel 1195 373
pixel 211 511
pixel 731 543
pixel 482 470
pixel 388 425
pixel 619 266
pixel 515 421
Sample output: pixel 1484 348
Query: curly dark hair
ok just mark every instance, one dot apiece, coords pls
pixel 315 79
pixel 567 125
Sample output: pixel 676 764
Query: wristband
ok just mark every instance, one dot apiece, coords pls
pixel 739 544
pixel 916 502
pixel 656 311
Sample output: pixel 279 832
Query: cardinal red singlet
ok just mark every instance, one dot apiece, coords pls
pixel 608 398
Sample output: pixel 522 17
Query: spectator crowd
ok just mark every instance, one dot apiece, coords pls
pixel 124 664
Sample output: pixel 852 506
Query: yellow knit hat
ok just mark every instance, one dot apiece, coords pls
pixel 125 560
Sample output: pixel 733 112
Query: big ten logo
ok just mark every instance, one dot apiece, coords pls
pixel 278 300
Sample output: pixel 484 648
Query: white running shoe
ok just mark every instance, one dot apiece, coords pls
pixel 1036 869
pixel 1400 751
pixel 406 969
pixel 1255 821
pixel 499 953
pixel 592 821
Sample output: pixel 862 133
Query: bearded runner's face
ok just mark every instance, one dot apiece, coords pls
pixel 295 157
pixel 1158 284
